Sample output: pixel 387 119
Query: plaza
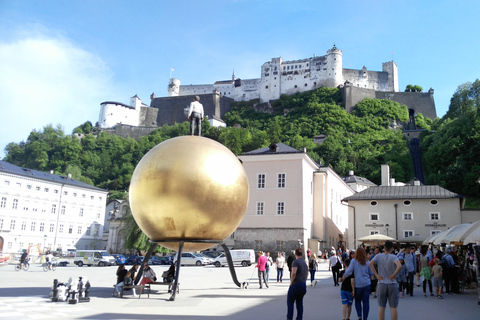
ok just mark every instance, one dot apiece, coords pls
pixel 205 293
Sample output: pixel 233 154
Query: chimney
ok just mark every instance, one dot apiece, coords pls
pixel 69 176
pixel 392 182
pixel 385 168
pixel 416 182
pixel 350 172
pixel 304 149
pixel 51 171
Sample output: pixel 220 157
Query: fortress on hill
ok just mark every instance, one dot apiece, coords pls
pixel 277 77
pixel 288 77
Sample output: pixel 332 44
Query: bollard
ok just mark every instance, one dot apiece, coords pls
pixel 55 291
pixel 73 298
pixel 80 289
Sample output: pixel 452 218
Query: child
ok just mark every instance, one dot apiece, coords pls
pixel 347 292
pixel 402 278
pixel 438 278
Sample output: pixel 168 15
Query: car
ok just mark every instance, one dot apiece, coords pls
pixel 211 254
pixel 119 258
pixel 166 260
pixel 192 258
pixel 154 260
pixel 132 259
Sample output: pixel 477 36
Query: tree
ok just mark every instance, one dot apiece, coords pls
pixel 413 88
pixel 465 100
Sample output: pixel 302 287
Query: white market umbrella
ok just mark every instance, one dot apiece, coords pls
pixel 473 236
pixel 376 237
pixel 460 233
pixel 443 236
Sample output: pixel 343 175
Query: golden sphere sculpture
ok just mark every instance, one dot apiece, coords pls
pixel 189 188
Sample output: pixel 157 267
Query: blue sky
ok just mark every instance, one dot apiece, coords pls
pixel 60 59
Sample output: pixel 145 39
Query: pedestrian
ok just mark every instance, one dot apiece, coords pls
pixel 312 267
pixel 298 286
pixel 347 292
pixel 261 265
pixel 362 273
pixel 308 253
pixel 402 278
pixel 334 265
pixel 195 115
pixel 437 278
pixel 425 271
pixel 121 273
pixel 268 265
pixel 374 279
pixel 290 260
pixel 448 271
pixel 149 276
pixel 417 267
pixel 279 265
pixel 388 268
pixel 411 263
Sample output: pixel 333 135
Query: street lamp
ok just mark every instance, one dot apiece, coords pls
pixel 44 239
pixel 386 226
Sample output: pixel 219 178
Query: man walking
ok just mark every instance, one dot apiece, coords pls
pixel 298 285
pixel 195 114
pixel 387 288
pixel 411 263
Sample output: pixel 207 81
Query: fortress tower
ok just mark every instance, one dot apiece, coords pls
pixel 391 68
pixel 173 87
pixel 335 67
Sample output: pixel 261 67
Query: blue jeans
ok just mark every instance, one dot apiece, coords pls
pixel 362 296
pixel 267 273
pixel 279 274
pixel 295 294
pixel 312 275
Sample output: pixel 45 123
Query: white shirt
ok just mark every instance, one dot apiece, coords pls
pixel 195 106
pixel 280 262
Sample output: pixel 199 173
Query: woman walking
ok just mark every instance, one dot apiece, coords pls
pixel 425 271
pixel 312 267
pixel 362 273
pixel 280 264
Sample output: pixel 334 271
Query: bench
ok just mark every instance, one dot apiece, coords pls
pixel 138 288
pixel 169 284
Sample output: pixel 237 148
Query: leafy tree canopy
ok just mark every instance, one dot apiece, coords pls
pixel 413 88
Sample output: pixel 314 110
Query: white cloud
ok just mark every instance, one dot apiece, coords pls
pixel 44 79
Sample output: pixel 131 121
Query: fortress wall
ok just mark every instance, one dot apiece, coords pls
pixel 367 79
pixel 420 102
pixel 195 89
pixel 353 95
pixel 147 116
pixel 127 131
pixel 171 109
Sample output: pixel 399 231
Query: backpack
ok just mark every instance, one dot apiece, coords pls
pixel 311 265
pixel 128 281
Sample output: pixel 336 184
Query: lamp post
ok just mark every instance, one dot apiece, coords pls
pixel 44 239
pixel 386 226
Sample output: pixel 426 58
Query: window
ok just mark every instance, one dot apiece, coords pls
pixel 280 208
pixel 258 245
pixel 70 229
pixel 407 233
pixel 372 232
pixel 373 216
pixel 9 245
pixel 12 224
pixel 65 193
pixel 281 180
pixel 1 224
pixel 24 226
pixel 433 202
pixel 15 204
pixel 373 203
pixel 79 229
pixel 83 196
pixel 88 231
pixel 81 212
pixel 432 232
pixel 19 184
pixel 91 197
pixel 63 210
pixel 7 183
pixel 52 226
pixel 261 180
pixel 74 194
pixel 42 227
pixel 279 245
pixel 37 188
pixel 60 228
pixel 32 226
pixel 98 215
pixel 434 216
pixel 260 208
pixel 54 208
pixel 55 191
pixel 407 216
pixel 3 204
pixel 45 189
pixel 407 202
pixel 29 186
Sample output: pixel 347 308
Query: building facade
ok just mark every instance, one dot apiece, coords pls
pixel 293 201
pixel 48 211
pixel 288 77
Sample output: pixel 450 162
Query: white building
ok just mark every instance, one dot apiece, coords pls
pixel 288 77
pixel 292 200
pixel 113 113
pixel 49 211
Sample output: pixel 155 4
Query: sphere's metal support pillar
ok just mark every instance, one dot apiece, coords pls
pixel 177 271
pixel 230 264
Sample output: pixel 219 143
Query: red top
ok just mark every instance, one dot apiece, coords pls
pixel 262 261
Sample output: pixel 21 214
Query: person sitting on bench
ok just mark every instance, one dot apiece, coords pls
pixel 149 276
pixel 127 281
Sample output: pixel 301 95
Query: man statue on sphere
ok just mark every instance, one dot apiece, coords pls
pixel 195 114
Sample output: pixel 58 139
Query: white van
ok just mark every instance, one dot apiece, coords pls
pixel 93 257
pixel 67 251
pixel 243 257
